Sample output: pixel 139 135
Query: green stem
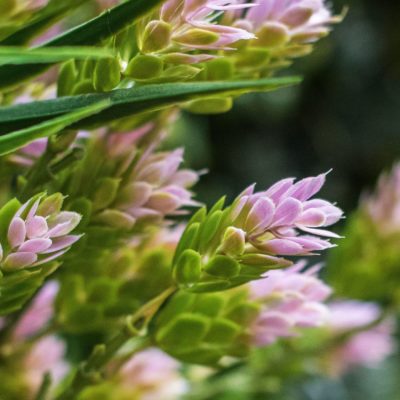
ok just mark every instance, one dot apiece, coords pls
pixel 91 371
pixel 44 387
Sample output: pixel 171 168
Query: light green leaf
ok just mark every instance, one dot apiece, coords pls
pixel 20 55
pixel 127 102
pixel 15 140
pixel 89 33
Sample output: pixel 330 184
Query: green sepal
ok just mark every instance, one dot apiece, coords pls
pixel 188 239
pixel 105 193
pixel 107 74
pixel 7 213
pixel 144 67
pixel 222 331
pixel 209 105
pixel 209 228
pixel 222 266
pixel 187 269
pixel 67 78
pixel 219 69
pixel 84 207
pixel 209 304
pixel 83 87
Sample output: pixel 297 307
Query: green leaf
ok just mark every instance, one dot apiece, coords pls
pixel 18 287
pixel 20 55
pixel 91 32
pixel 41 20
pixel 15 140
pixel 128 102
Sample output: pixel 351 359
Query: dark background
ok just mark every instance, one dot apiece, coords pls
pixel 345 116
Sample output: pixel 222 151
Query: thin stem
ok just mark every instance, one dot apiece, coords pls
pixel 91 371
pixel 44 387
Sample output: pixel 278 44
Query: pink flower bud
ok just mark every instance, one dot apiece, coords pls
pixel 35 239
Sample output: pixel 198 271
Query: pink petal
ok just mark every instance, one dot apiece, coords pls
pixel 312 217
pixel 62 243
pixel 36 227
pixel 19 260
pixel 16 232
pixel 287 212
pixel 282 247
pixel 35 245
pixel 260 215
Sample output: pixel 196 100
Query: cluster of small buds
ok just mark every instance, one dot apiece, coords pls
pixel 269 222
pixel 241 242
pixel 45 356
pixel 151 375
pixel 291 299
pixel 284 29
pixel 39 313
pixel 155 188
pixel 39 232
pixel 369 347
pixel 190 25
pixel 383 206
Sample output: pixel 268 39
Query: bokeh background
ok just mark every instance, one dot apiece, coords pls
pixel 345 116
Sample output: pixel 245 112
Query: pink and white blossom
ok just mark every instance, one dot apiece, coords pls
pixel 366 348
pixel 285 219
pixel 38 234
pixel 290 299
pixel 152 375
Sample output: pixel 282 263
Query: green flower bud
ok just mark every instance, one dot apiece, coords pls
pixel 156 36
pixel 116 219
pixel 84 87
pixel 219 69
pixel 188 268
pixel 196 37
pixel 144 67
pixel 233 242
pixel 210 105
pixel 271 35
pixel 222 266
pixel 185 331
pixel 105 193
pixel 180 73
pixel 51 205
pixel 107 74
pixel 222 331
pixel 252 57
pixel 67 78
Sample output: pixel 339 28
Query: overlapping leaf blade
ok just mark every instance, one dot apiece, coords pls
pixel 89 33
pixel 127 102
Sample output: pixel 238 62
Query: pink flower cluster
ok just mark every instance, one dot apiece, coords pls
pixel 291 299
pixel 367 348
pixel 155 188
pixel 277 23
pixel 39 313
pixel 383 206
pixel 193 26
pixel 152 375
pixel 38 233
pixel 274 221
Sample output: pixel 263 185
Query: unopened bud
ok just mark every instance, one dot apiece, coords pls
pixel 234 241
pixel 271 34
pixel 105 193
pixel 107 74
pixel 222 266
pixel 197 37
pixel 188 268
pixel 156 36
pixel 210 105
pixel 144 67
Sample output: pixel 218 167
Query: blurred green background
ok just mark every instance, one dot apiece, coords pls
pixel 344 116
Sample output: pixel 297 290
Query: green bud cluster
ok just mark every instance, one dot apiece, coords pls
pixel 203 328
pixel 211 254
pixel 366 265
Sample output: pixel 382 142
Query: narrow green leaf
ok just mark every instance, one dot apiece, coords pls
pixel 20 55
pixel 89 33
pixel 15 140
pixel 41 20
pixel 127 102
